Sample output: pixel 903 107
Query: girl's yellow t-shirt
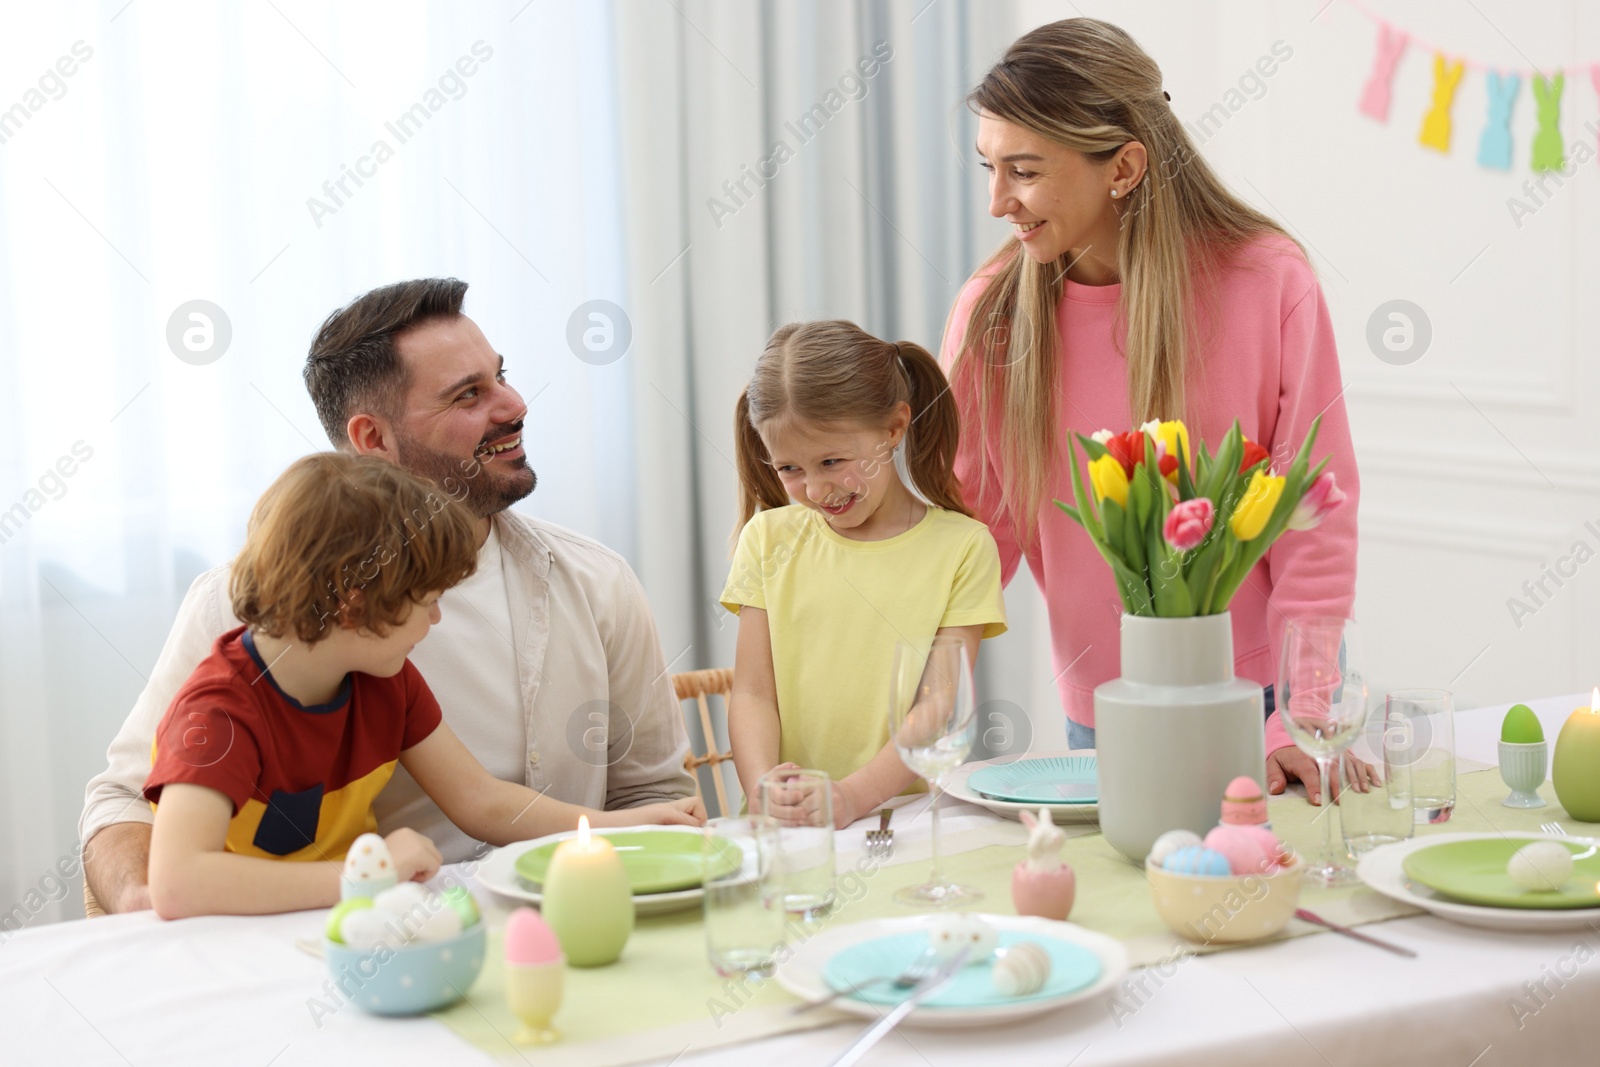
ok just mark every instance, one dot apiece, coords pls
pixel 835 608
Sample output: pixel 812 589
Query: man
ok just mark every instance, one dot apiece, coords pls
pixel 547 663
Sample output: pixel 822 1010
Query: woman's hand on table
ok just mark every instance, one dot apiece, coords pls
pixel 1290 764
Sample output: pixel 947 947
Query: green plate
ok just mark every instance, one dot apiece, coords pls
pixel 1475 872
pixel 657 861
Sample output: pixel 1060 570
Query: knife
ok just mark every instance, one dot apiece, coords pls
pixel 875 1033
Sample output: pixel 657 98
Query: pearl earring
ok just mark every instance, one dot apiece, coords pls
pixel 1113 192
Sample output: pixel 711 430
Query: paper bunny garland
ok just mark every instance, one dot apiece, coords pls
pixel 1548 149
pixel 1494 147
pixel 1436 123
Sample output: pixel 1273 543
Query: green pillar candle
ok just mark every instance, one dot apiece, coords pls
pixel 1576 768
pixel 587 900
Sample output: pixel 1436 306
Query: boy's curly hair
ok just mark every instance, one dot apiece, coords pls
pixel 349 540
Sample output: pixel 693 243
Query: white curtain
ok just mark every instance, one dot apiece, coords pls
pixel 276 159
pixel 185 158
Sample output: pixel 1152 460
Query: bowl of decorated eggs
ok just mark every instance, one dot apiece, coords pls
pixel 404 949
pixel 1238 883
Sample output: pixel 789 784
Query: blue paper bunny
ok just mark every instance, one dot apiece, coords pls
pixel 1494 148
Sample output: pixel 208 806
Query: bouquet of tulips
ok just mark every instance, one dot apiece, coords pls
pixel 1181 540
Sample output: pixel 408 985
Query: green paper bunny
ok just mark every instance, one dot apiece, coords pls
pixel 1547 146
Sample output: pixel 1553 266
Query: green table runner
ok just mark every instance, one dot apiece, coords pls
pixel 663 997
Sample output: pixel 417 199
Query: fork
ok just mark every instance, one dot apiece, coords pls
pixel 919 969
pixel 880 842
pixel 1555 829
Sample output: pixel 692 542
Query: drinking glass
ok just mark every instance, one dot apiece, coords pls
pixel 1375 798
pixel 1322 698
pixel 932 722
pixel 743 917
pixel 801 803
pixel 1424 722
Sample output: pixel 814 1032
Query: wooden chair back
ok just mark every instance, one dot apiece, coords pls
pixel 699 686
pixel 91 906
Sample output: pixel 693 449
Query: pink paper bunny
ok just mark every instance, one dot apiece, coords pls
pixel 1375 95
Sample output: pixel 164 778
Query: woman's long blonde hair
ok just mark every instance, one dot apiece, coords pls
pixel 1087 84
pixel 836 372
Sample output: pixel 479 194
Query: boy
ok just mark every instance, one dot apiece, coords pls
pixel 277 744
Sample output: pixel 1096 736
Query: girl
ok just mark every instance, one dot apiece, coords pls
pixel 826 584
pixel 1134 286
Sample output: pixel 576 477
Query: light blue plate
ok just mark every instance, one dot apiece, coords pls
pixel 1071 968
pixel 1042 780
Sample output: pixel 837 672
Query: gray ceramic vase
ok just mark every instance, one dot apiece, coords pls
pixel 1173 731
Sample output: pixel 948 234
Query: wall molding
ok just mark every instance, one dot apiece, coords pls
pixel 1501 466
pixel 1492 537
pixel 1495 390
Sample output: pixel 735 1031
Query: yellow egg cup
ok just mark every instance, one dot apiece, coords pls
pixel 533 992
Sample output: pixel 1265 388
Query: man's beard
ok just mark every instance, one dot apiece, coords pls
pixel 485 486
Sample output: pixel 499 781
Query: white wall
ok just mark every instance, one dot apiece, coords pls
pixel 1476 471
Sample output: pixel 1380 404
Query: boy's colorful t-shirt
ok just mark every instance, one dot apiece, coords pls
pixel 835 608
pixel 301 779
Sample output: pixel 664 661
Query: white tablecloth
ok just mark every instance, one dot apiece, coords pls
pixel 131 989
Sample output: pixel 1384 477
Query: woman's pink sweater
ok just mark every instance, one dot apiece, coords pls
pixel 1267 358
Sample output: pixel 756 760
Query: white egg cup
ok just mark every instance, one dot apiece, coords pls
pixel 1523 767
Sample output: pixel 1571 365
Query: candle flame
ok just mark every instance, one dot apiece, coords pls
pixel 1594 700
pixel 583 829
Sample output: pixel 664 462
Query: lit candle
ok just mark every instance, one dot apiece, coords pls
pixel 1576 768
pixel 587 900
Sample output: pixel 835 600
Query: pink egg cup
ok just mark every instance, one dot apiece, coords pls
pixel 1047 894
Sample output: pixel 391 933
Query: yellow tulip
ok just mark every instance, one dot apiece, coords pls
pixel 1260 498
pixel 1109 479
pixel 1172 434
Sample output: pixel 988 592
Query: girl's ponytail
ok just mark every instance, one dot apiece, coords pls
pixel 935 429
pixel 759 487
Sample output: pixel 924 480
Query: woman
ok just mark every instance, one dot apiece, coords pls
pixel 1134 286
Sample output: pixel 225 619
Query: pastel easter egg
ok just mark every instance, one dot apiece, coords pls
pixel 1249 849
pixel 441 924
pixel 529 939
pixel 1243 803
pixel 1196 859
pixel 367 928
pixel 1543 866
pixel 1168 843
pixel 1521 727
pixel 460 901
pixel 336 916
pixel 1022 968
pixel 368 859
pixel 397 900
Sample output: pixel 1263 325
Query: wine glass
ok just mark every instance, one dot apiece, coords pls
pixel 933 722
pixel 1322 698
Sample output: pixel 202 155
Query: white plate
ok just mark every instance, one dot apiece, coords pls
pixel 802 975
pixel 1382 869
pixel 958 789
pixel 498 871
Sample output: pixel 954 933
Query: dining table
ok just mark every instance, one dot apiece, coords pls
pixel 133 989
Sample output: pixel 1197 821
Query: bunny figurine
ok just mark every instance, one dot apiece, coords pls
pixel 1042 884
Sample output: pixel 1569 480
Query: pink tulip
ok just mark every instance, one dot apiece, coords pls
pixel 1322 497
pixel 1188 523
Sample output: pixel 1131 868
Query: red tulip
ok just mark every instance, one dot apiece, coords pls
pixel 1253 454
pixel 1128 448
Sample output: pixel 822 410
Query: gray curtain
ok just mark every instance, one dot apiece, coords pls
pixel 782 161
